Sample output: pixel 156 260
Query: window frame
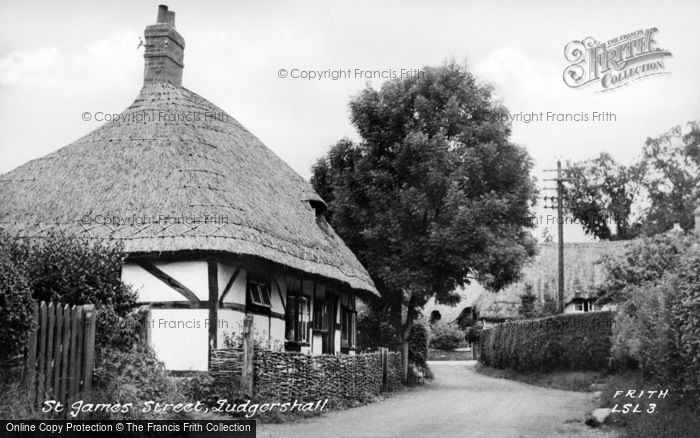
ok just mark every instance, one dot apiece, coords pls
pixel 322 324
pixel 298 303
pixel 263 303
pixel 348 324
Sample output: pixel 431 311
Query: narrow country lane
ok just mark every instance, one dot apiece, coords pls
pixel 458 403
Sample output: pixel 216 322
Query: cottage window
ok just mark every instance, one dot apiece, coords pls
pixel 321 316
pixel 259 293
pixel 579 306
pixel 348 323
pixel 297 318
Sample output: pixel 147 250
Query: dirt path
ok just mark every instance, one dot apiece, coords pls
pixel 458 403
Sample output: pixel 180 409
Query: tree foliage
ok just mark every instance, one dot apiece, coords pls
pixel 433 193
pixel 600 193
pixel 670 167
pixel 647 197
pixel 644 263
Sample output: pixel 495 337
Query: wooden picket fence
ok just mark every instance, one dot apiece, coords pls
pixel 61 352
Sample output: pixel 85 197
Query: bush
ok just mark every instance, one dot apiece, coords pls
pixel 418 342
pixel 579 341
pixel 657 329
pixel 446 336
pixel 641 332
pixel 418 352
pixel 133 376
pixel 16 317
pixel 75 271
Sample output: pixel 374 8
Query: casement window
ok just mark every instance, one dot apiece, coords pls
pixel 259 293
pixel 322 317
pixel 348 322
pixel 297 318
pixel 579 306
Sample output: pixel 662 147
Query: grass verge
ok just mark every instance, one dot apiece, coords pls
pixel 566 380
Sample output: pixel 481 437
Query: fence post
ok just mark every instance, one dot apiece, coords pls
pixel 65 353
pixel 73 378
pixel 41 358
pixel 48 373
pixel 248 355
pixel 90 322
pixel 58 338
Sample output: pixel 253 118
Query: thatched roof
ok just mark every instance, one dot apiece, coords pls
pixel 582 275
pixel 150 165
pixel 469 295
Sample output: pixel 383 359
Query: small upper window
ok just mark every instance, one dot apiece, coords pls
pixel 259 293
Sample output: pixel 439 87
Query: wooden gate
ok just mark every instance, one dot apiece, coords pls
pixel 61 352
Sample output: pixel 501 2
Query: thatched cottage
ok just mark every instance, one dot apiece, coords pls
pixel 216 226
pixel 582 275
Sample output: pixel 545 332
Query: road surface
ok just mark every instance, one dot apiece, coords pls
pixel 458 403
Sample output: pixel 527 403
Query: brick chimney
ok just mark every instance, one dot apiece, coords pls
pixel 165 50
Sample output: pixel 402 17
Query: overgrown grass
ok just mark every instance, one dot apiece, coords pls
pixel 673 416
pixel 16 404
pixel 564 380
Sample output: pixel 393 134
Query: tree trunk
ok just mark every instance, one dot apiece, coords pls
pixel 405 334
pixel 404 360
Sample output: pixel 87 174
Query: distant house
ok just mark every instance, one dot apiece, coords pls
pixel 582 274
pixel 215 225
pixel 463 313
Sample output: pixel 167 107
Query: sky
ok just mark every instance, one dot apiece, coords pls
pixel 59 59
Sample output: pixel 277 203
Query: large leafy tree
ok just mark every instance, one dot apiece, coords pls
pixel 670 167
pixel 647 197
pixel 601 193
pixel 433 194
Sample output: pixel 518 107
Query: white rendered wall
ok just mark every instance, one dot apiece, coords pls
pixel 191 274
pixel 238 289
pixel 180 338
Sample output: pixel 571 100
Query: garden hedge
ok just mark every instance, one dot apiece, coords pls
pixel 578 341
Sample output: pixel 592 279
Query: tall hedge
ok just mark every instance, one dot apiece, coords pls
pixel 578 341
pixel 15 308
pixel 69 270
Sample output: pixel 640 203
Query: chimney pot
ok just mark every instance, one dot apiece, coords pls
pixel 170 18
pixel 162 12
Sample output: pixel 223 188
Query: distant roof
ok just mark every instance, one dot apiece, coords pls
pixel 469 294
pixel 582 274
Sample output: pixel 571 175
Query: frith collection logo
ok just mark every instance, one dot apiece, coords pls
pixel 615 63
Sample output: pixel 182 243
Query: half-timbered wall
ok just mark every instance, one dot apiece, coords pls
pixel 180 296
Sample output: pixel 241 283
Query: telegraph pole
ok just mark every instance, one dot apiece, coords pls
pixel 560 230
